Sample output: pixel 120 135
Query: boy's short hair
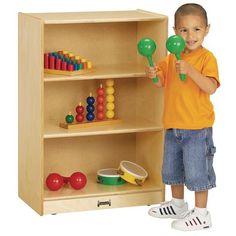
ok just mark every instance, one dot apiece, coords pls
pixel 191 9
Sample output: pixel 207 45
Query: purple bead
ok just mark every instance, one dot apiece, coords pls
pixel 90 100
pixel 90 116
pixel 90 108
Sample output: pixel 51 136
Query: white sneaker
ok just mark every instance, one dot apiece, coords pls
pixel 193 221
pixel 169 210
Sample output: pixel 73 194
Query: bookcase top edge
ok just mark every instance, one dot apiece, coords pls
pixel 97 16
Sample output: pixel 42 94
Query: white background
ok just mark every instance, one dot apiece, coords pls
pixel 17 216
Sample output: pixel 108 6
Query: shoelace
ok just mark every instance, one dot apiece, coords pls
pixel 188 214
pixel 167 203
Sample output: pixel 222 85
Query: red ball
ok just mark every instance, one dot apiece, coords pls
pixel 100 91
pixel 78 180
pixel 100 99
pixel 100 115
pixel 100 107
pixel 54 181
pixel 79 117
pixel 79 109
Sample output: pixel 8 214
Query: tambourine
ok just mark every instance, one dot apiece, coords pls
pixel 109 177
pixel 132 173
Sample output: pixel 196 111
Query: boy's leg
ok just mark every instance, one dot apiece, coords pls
pixel 177 191
pixel 201 199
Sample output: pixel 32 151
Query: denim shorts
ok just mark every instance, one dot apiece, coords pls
pixel 188 159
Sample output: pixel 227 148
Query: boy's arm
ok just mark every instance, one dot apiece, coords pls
pixel 207 84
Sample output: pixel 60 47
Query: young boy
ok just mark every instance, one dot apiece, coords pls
pixel 188 118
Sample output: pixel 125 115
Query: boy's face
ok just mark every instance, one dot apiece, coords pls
pixel 193 29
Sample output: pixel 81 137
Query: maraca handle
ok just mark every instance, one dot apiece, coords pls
pixel 181 76
pixel 66 179
pixel 155 79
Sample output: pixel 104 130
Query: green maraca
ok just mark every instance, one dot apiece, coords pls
pixel 175 44
pixel 146 47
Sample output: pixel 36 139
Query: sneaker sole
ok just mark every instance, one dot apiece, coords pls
pixel 191 229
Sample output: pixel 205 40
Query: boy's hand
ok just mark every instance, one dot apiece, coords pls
pixel 182 67
pixel 151 72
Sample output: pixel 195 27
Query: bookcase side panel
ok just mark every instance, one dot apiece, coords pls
pixel 30 123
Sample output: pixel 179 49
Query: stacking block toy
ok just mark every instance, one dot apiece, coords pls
pixel 65 63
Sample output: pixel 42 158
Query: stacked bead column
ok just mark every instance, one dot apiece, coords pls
pixel 90 108
pixel 79 110
pixel 110 106
pixel 100 102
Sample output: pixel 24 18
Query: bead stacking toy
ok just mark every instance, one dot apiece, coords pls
pixel 55 181
pixel 104 104
pixel 65 63
pixel 110 99
pixel 175 44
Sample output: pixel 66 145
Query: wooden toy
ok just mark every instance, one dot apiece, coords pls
pixel 90 108
pixel 46 60
pixel 55 181
pixel 89 124
pixel 110 99
pixel 132 172
pixel 175 44
pixel 65 63
pixel 146 47
pixel 51 62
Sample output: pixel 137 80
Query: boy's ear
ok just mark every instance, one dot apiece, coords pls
pixel 207 29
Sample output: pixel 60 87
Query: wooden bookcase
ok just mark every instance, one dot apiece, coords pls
pixel 109 40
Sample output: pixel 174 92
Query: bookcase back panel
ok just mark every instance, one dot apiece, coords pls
pixel 91 153
pixel 101 43
pixel 132 101
pixel 106 43
pixel 88 154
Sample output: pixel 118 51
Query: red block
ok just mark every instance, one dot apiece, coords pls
pixel 58 64
pixel 46 60
pixel 64 65
pixel 70 67
pixel 52 62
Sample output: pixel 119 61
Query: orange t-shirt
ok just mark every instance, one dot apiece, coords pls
pixel 186 106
